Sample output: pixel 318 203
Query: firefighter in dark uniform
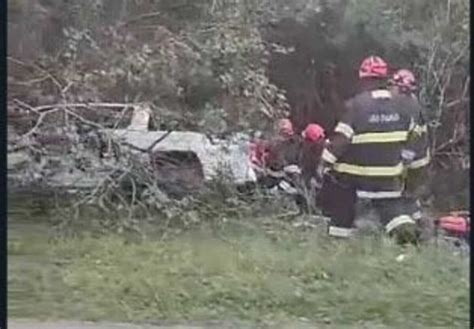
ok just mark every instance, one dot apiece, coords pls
pixel 313 144
pixel 312 147
pixel 282 167
pixel 292 154
pixel 365 153
pixel 403 82
pixel 416 155
pixel 286 147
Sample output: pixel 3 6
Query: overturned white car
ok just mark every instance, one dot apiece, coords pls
pixel 213 155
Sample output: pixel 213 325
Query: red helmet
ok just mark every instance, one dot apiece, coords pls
pixel 373 67
pixel 313 132
pixel 285 128
pixel 404 79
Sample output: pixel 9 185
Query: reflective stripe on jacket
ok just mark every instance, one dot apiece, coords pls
pixel 368 142
pixel 419 143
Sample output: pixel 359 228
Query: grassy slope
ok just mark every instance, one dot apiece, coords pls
pixel 242 274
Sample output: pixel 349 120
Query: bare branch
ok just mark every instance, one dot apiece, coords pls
pixel 85 105
pixel 38 123
pixel 80 118
pixel 36 67
pixel 140 18
pixel 457 102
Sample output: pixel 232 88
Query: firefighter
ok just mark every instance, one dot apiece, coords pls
pixel 364 155
pixel 285 149
pixel 313 133
pixel 295 152
pixel 281 157
pixel 285 128
pixel 403 82
pixel 299 168
pixel 337 199
pixel 264 154
pixel 417 153
pixel 313 145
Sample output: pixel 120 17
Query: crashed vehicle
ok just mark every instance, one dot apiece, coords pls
pixel 210 157
pixel 213 154
pixel 38 155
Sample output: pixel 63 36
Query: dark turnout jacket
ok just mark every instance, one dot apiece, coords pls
pixel 368 142
pixel 284 152
pixel 419 144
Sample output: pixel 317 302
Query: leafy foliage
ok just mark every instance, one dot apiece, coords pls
pixel 213 65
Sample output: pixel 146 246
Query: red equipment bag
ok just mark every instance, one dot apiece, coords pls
pixel 457 223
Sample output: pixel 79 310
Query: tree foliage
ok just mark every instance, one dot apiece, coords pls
pixel 231 65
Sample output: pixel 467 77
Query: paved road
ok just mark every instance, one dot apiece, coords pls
pixel 19 324
pixel 27 324
pixel 31 324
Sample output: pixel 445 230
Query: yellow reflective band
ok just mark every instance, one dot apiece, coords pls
pixel 328 156
pixel 344 129
pixel 387 137
pixel 420 162
pixel 368 170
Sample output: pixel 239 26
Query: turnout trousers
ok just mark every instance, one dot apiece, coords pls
pixel 338 200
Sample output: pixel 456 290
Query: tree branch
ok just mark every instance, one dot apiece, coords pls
pixel 43 108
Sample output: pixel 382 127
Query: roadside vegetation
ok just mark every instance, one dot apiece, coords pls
pixel 262 270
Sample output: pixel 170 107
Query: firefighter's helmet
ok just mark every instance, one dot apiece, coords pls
pixel 313 132
pixel 404 79
pixel 373 67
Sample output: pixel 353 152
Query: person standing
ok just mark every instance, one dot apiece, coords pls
pixel 365 154
pixel 417 153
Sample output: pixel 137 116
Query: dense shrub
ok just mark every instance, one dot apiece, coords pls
pixel 231 65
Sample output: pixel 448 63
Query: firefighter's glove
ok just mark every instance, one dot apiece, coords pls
pixel 292 170
pixel 407 156
pixel 315 184
pixel 275 173
pixel 321 171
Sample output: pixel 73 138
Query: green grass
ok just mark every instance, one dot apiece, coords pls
pixel 241 273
